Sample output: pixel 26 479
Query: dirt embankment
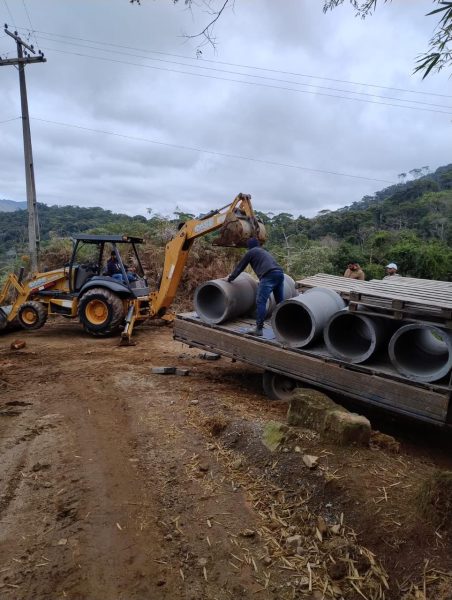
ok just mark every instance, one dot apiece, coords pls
pixel 119 484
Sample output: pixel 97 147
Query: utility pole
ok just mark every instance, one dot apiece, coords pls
pixel 23 58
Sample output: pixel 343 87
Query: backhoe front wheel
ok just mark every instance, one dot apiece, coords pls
pixel 32 315
pixel 101 312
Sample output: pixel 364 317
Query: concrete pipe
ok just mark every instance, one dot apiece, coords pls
pixel 217 300
pixel 289 292
pixel 354 337
pixel 299 321
pixel 421 352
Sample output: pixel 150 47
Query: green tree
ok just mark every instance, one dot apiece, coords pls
pixel 439 53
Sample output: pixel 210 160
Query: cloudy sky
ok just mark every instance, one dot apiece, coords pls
pixel 124 115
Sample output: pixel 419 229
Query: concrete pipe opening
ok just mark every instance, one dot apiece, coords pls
pixel 217 301
pixel 293 324
pixel 299 321
pixel 421 352
pixel 211 303
pixel 353 337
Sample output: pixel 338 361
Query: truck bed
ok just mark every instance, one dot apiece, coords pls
pixel 377 383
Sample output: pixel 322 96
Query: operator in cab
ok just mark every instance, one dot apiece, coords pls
pixel 271 279
pixel 113 267
pixel 114 270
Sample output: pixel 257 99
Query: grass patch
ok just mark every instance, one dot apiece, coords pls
pixel 434 498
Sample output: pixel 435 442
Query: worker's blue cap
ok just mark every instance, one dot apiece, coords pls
pixel 252 243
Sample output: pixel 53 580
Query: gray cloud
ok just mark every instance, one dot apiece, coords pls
pixel 74 166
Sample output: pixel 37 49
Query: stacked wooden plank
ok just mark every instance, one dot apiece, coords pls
pixel 404 298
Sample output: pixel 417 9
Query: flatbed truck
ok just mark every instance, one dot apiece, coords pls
pixel 376 384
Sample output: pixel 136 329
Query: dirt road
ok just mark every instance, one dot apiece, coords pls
pixel 118 484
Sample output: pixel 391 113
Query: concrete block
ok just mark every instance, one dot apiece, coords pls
pixel 346 428
pixel 308 409
pixel 163 370
pixel 182 372
pixel 314 410
pixel 209 356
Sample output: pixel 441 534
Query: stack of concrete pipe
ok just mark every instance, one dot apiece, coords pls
pixel 217 301
pixel 419 351
pixel 300 321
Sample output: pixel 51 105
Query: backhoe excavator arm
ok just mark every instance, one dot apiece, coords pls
pixel 176 252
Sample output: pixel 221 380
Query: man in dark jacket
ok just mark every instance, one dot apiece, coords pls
pixel 113 267
pixel 271 279
pixel 114 270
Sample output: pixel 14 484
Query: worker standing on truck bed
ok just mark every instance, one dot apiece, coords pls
pixel 271 279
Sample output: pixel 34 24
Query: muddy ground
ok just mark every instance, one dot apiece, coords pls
pixel 118 484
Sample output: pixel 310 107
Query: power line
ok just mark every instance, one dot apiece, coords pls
pixel 267 78
pixel 211 152
pixel 10 14
pixel 308 76
pixel 266 85
pixel 9 120
pixel 32 31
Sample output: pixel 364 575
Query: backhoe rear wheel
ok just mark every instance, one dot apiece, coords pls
pixel 32 315
pixel 101 312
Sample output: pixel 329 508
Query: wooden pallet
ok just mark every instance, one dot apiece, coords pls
pixel 399 298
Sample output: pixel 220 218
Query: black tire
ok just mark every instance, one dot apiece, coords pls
pixel 101 312
pixel 3 321
pixel 278 387
pixel 32 315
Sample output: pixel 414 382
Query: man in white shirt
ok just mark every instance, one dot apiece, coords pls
pixel 391 271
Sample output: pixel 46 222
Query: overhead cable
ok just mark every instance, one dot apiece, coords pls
pixel 253 83
pixel 267 78
pixel 211 152
pixel 199 59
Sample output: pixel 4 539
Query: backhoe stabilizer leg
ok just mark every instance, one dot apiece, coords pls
pixel 126 335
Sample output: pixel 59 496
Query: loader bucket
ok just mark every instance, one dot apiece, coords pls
pixel 238 229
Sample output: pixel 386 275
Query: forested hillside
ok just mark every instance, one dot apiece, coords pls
pixel 10 206
pixel 409 223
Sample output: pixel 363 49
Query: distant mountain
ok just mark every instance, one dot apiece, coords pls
pixel 11 206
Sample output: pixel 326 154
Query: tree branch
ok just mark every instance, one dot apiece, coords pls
pixel 207 32
pixel 439 53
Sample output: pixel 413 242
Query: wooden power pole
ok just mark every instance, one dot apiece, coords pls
pixel 23 58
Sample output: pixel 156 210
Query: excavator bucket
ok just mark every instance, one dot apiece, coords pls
pixel 238 229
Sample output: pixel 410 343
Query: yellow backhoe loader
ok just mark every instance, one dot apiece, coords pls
pixel 106 303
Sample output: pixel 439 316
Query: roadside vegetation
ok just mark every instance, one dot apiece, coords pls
pixel 409 223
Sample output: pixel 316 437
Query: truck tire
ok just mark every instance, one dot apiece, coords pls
pixel 32 315
pixel 278 387
pixel 101 312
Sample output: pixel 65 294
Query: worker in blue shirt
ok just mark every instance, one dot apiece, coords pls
pixel 271 279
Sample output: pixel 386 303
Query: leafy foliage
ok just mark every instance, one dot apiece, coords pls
pixel 408 223
pixel 439 53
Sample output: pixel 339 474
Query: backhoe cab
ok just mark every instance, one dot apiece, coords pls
pixel 106 303
pixel 82 288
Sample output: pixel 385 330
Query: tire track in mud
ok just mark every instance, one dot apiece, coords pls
pixel 12 483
